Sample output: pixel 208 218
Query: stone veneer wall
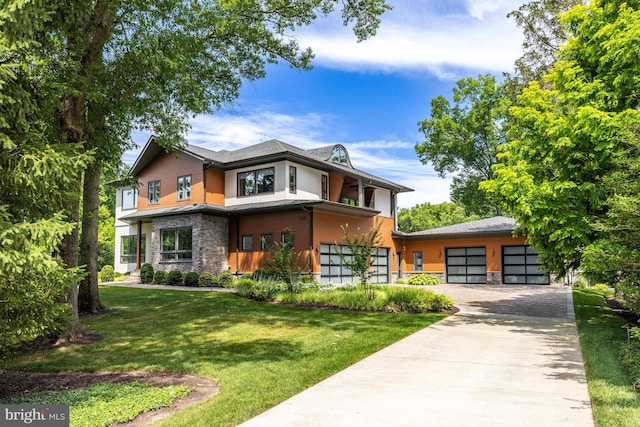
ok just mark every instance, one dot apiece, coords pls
pixel 210 243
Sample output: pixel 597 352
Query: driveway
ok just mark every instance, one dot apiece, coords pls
pixel 510 357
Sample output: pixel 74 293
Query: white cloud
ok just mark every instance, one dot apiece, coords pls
pixel 421 38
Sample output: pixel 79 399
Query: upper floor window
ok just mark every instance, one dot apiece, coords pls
pixel 256 182
pixel 339 155
pixel 184 187
pixel 154 192
pixel 293 179
pixel 129 198
pixel 325 187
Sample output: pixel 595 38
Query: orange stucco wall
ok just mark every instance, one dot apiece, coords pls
pixel 433 251
pixel 167 168
pixel 273 223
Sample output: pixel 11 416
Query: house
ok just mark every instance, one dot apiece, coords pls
pixel 204 210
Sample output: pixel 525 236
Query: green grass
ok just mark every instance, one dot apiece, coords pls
pixel 614 400
pixel 105 404
pixel 260 354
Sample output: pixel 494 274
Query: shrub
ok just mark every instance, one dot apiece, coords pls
pixel 191 278
pixel 600 287
pixel 208 280
pixel 106 274
pixel 174 278
pixel 441 302
pixel 580 284
pixel 423 280
pixel 226 279
pixel 160 277
pixel 400 281
pixel 146 273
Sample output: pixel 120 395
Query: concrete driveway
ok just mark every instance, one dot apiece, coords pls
pixel 511 357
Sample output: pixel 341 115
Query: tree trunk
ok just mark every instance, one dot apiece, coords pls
pixel 69 256
pixel 89 297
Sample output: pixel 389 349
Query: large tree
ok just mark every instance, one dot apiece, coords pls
pixel 462 139
pixel 567 135
pixel 149 64
pixel 36 179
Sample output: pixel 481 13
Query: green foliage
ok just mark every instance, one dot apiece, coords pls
pixel 32 283
pixel 359 258
pixel 423 280
pixel 160 277
pixel 191 279
pixel 207 279
pixel 631 357
pixel 146 273
pixel 580 284
pixel 106 273
pixel 573 140
pixel 263 290
pixel 226 279
pixel 174 278
pixel 385 298
pixel 285 264
pixel 104 404
pixel 462 139
pixel 426 216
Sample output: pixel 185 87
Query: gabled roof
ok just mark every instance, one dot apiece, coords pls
pixel 272 150
pixel 498 226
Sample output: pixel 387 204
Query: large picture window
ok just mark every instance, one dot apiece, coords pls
pixel 128 249
pixel 154 192
pixel 466 265
pixel 176 244
pixel 255 182
pixel 184 187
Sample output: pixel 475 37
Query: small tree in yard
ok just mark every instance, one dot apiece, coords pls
pixel 360 258
pixel 285 263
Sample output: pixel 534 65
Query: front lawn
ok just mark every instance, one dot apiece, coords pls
pixel 260 354
pixel 614 400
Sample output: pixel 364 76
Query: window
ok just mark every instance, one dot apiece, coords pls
pixel 466 265
pixel 247 243
pixel 256 182
pixel 184 187
pixel 129 198
pixel 417 261
pixel 339 155
pixel 154 192
pixel 266 242
pixel 288 236
pixel 293 179
pixel 176 244
pixel 521 265
pixel 129 247
pixel 325 187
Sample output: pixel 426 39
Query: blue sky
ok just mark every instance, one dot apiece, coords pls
pixel 369 96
